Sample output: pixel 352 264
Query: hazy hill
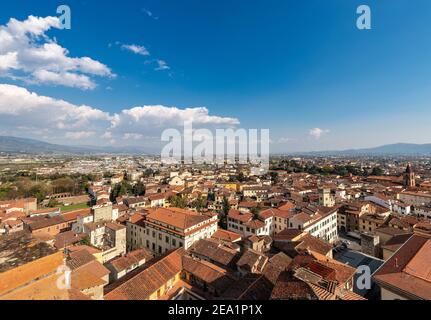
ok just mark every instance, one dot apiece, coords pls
pixel 30 146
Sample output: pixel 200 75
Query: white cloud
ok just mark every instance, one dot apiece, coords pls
pixel 20 107
pixel 317 133
pixel 133 136
pixel 79 135
pixel 27 49
pixel 8 61
pixel 162 65
pixel 67 79
pixel 283 140
pixel 141 50
pixel 107 135
pixel 23 112
pixel 140 118
pixel 150 14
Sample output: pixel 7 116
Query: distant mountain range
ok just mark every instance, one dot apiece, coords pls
pixel 397 149
pixel 14 145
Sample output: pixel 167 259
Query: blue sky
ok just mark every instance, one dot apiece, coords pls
pixel 290 66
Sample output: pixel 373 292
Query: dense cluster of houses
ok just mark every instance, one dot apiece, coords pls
pixel 222 233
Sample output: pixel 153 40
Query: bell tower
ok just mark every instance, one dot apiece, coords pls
pixel 409 177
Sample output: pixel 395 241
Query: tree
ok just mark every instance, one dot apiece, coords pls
pixel 121 189
pixel 178 202
pixel 377 171
pixel 148 173
pixel 241 177
pixel 139 189
pixel 226 206
pixel 274 177
pixel 63 185
pixel 199 204
pixel 53 203
pixel 224 213
pixel 254 211
pixel 86 241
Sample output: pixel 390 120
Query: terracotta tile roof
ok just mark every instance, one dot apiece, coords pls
pixel 255 224
pixel 36 224
pixel 89 249
pixel 250 259
pixel 149 280
pixel 408 270
pixel 120 207
pixel 248 204
pixel 78 259
pixel 290 288
pixel 158 196
pixel 137 218
pixel 216 277
pixel 314 281
pixel 287 234
pixel 84 278
pixel 238 215
pixel 45 289
pixel 343 272
pixel 303 217
pixel 66 239
pixel 225 235
pixel 179 218
pixel 308 242
pixel 288 206
pixel 272 212
pixel 73 215
pixel 122 263
pixel 214 251
pixel 24 274
pixel 396 242
pixel 115 226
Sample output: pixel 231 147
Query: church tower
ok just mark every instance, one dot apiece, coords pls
pixel 409 177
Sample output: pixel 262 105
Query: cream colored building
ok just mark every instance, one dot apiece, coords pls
pixel 164 229
pixel 415 198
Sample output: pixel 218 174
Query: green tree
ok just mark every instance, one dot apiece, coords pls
pixel 199 204
pixel 178 202
pixel 274 177
pixel 139 189
pixel 377 171
pixel 226 206
pixel 86 241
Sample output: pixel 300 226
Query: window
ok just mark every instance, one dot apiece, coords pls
pixel 160 236
pixel 174 242
pixel 167 239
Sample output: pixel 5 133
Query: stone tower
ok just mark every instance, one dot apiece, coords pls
pixel 409 177
pixel 325 197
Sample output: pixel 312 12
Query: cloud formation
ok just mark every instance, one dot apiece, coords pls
pixel 140 50
pixel 79 135
pixel 162 65
pixel 317 133
pixel 27 53
pixel 23 113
